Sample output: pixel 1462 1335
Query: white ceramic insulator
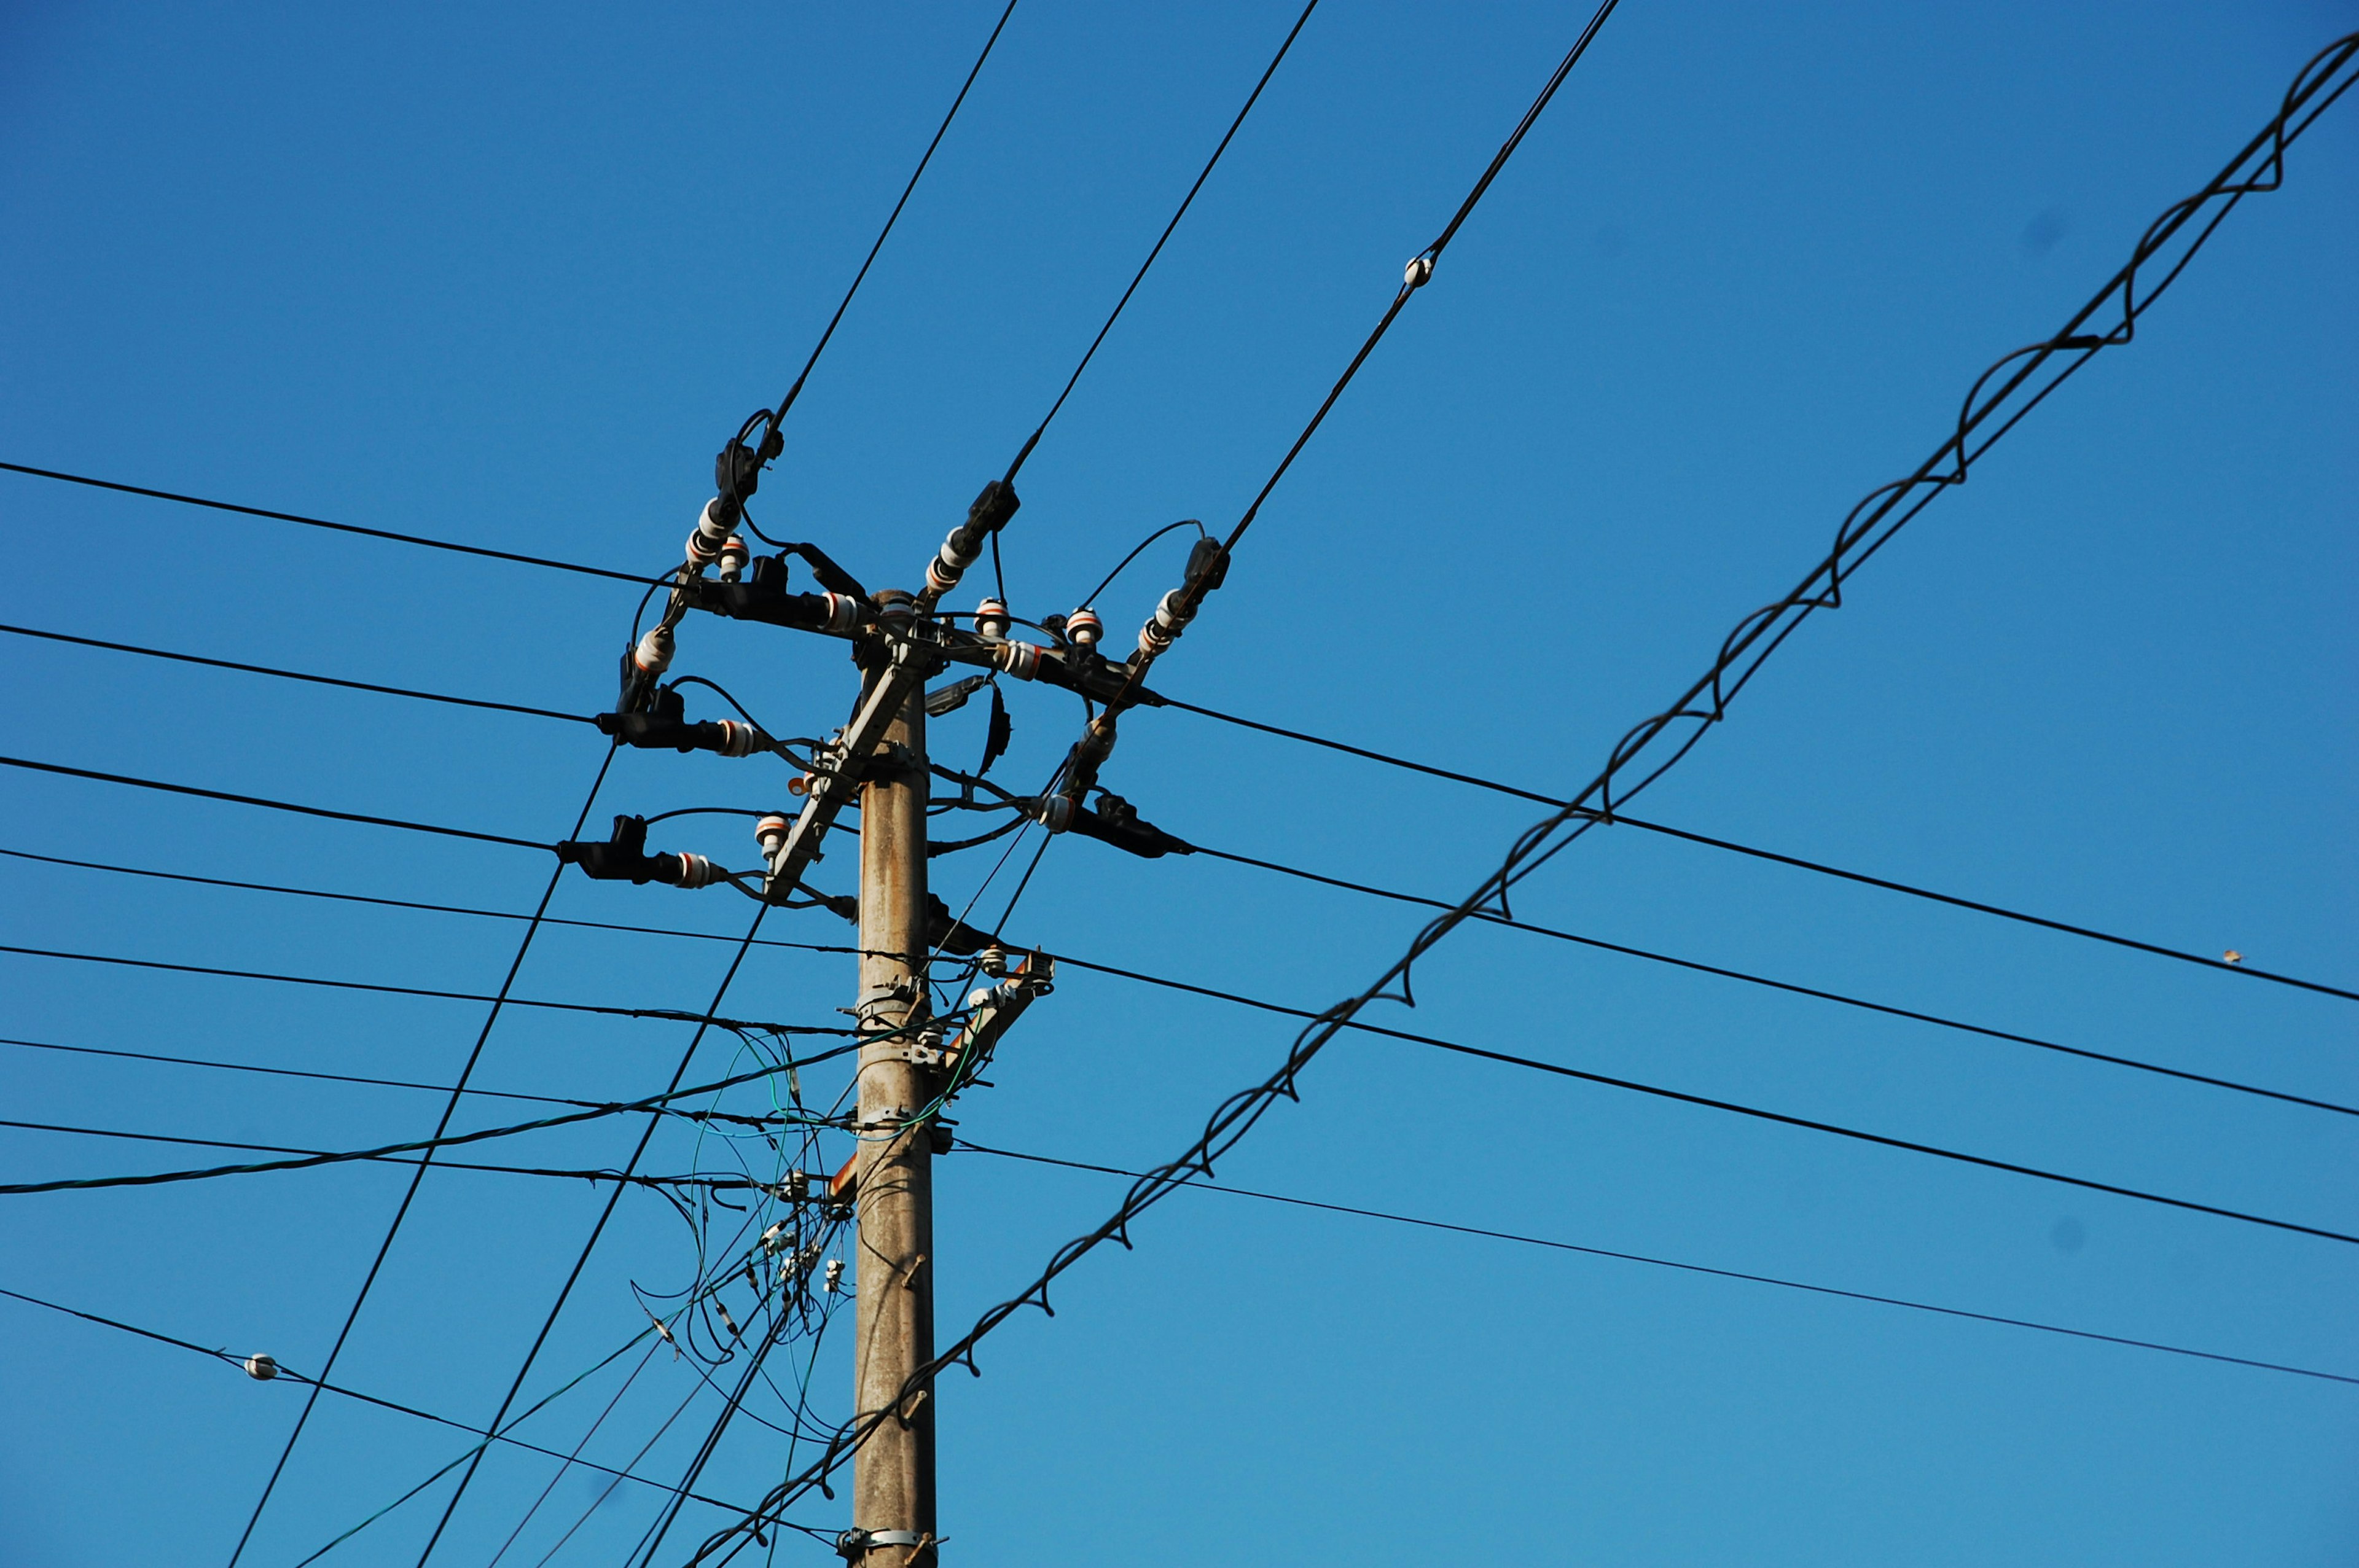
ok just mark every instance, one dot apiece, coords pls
pixel 704 545
pixel 771 834
pixel 262 1368
pixel 695 871
pixel 654 650
pixel 1021 660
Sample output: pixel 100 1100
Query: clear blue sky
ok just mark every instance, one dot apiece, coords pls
pixel 510 274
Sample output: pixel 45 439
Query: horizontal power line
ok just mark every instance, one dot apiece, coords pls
pixel 1632 1085
pixel 131 782
pixel 309 1158
pixel 1557 1245
pixel 1618 818
pixel 640 578
pixel 228 1359
pixel 580 1175
pixel 1888 1010
pixel 243 668
pixel 665 1014
pixel 1623 819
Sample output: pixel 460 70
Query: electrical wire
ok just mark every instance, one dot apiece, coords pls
pixel 565 1292
pixel 269 804
pixel 778 417
pixel 309 1159
pixel 1206 173
pixel 1623 819
pixel 1554 1245
pixel 1421 267
pixel 1476 781
pixel 666 1014
pixel 294 1377
pixel 2319 84
pixel 418 539
pixel 298 675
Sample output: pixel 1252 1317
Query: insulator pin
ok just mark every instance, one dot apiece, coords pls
pixel 1053 812
pixel 653 655
pixel 711 535
pixel 771 834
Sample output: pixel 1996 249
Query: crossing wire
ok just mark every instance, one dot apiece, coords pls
pixel 1488 1234
pixel 1620 819
pixel 1986 417
pixel 1624 819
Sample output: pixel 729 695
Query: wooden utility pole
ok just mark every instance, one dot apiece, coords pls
pixel 893 1472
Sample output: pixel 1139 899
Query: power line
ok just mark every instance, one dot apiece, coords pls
pixel 308 1159
pixel 794 392
pixel 418 539
pixel 1871 523
pixel 715 1182
pixel 1476 781
pixel 269 804
pixel 666 1014
pixel 1684 1267
pixel 1185 202
pixel 299 674
pixel 597 1230
pixel 1623 819
pixel 295 1377
pixel 1792 987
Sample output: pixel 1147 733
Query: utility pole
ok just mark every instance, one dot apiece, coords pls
pixel 893 1472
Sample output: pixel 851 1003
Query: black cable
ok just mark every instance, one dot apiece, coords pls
pixel 1206 173
pixel 1887 1008
pixel 338 527
pixel 668 1014
pixel 288 1072
pixel 294 1377
pixel 730 1183
pixel 1871 525
pixel 1420 269
pixel 1686 1268
pixel 647 1136
pixel 273 805
pixel 1138 549
pixel 308 1159
pixel 1623 819
pixel 298 675
pixel 1554 934
pixel 795 391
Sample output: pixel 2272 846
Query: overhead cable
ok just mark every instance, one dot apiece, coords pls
pixel 666 1014
pixel 1488 1234
pixel 1986 418
pixel 278 1372
pixel 387 534
pixel 1624 819
pixel 1140 277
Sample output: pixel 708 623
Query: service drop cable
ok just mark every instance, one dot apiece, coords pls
pixel 1987 416
pixel 1685 1268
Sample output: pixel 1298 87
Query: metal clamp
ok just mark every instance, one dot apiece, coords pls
pixel 852 1543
